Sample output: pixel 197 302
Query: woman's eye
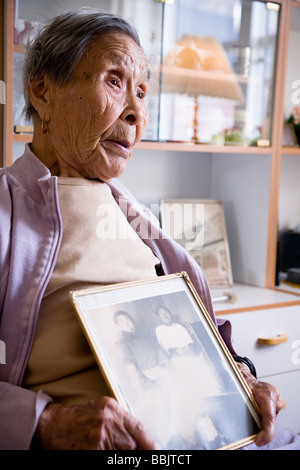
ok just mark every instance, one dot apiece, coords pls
pixel 141 94
pixel 115 82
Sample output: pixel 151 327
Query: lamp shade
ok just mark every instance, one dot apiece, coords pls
pixel 199 66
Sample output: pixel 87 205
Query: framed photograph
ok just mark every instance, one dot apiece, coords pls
pixel 199 226
pixel 289 138
pixel 166 363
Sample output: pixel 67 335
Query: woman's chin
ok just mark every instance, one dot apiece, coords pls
pixel 105 167
pixel 108 173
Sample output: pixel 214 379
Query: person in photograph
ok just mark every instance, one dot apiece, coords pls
pixel 173 337
pixel 147 365
pixel 193 377
pixel 86 78
pixel 143 356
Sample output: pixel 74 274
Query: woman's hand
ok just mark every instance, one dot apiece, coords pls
pixel 98 425
pixel 267 398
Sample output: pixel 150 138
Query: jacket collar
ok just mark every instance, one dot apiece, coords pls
pixel 37 181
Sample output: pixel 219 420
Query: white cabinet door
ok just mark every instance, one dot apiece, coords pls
pixel 250 327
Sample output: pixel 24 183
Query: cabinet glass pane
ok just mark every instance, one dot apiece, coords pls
pixel 145 15
pixel 218 68
pixel 288 262
pixel 19 119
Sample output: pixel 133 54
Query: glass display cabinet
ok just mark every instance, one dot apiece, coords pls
pixel 212 65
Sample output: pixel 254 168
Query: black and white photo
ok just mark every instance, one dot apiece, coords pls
pixel 165 363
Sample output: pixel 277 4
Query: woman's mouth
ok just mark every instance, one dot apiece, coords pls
pixel 123 146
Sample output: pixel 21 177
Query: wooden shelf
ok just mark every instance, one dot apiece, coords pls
pixel 290 150
pixel 19 49
pixel 202 148
pixel 22 138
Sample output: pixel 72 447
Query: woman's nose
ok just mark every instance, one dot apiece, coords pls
pixel 135 111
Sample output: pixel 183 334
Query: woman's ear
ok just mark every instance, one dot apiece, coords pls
pixel 38 90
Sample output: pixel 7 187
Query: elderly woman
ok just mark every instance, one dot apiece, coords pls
pixel 86 79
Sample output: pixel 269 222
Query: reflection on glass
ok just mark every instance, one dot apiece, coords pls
pixel 218 71
pixel 145 15
pixel 20 121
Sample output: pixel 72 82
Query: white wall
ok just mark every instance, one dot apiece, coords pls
pixel 152 175
pixel 242 182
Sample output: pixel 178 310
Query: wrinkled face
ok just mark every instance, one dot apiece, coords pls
pixel 97 119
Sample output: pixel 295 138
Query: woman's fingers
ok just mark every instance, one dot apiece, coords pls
pixel 98 425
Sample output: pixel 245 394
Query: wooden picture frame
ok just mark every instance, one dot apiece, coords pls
pixel 166 363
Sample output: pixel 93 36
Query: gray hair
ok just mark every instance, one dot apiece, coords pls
pixel 61 44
